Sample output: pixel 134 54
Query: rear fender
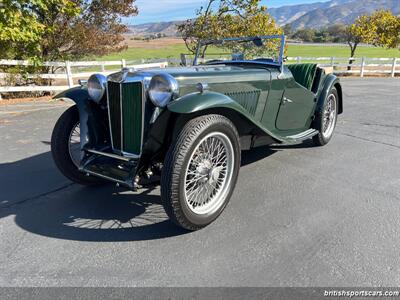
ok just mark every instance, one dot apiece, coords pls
pixel 92 117
pixel 330 82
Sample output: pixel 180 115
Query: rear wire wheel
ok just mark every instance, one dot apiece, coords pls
pixel 326 119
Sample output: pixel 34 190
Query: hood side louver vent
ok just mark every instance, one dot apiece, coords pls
pixel 249 99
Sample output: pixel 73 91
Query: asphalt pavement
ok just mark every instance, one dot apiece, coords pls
pixel 300 215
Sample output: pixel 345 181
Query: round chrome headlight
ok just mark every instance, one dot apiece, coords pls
pixel 97 87
pixel 162 89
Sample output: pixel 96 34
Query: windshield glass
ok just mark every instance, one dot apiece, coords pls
pixel 268 48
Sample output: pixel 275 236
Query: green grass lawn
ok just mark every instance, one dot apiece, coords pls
pixel 340 51
pixel 174 51
pixel 133 54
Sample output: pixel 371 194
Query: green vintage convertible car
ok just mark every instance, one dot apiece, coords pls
pixel 187 126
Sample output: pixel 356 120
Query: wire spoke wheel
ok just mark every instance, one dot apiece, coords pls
pixel 74 144
pixel 200 171
pixel 209 173
pixel 329 116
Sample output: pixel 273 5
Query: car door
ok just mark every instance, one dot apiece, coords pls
pixel 296 107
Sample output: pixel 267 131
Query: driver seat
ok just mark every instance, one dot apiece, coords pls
pixel 304 74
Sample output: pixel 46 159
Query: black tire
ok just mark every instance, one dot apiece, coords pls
pixel 320 139
pixel 177 160
pixel 60 149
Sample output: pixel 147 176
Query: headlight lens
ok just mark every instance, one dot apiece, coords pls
pixel 97 87
pixel 162 89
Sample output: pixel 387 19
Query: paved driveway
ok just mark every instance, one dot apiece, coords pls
pixel 300 216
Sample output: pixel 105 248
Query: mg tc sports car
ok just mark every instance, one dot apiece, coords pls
pixel 187 125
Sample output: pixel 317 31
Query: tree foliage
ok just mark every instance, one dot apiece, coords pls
pixel 384 29
pixel 22 26
pixel 62 29
pixel 381 29
pixel 227 18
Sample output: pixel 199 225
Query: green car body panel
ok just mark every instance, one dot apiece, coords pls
pixel 267 98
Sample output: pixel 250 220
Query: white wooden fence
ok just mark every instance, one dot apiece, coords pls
pixel 67 73
pixel 360 66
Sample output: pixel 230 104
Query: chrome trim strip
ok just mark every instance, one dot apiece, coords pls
pixel 109 117
pixel 131 156
pixel 301 135
pixel 122 118
pixel 121 151
pixel 143 112
pixel 124 183
pixel 127 159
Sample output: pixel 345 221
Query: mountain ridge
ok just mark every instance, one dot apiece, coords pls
pixel 310 15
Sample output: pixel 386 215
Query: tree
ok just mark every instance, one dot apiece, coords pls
pixel 306 35
pixel 62 29
pixel 384 28
pixel 380 29
pixel 22 27
pixel 287 29
pixel 337 33
pixel 227 18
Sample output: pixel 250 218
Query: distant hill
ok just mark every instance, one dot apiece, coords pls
pixel 322 14
pixel 167 28
pixel 313 15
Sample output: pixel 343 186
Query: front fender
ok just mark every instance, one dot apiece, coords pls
pixel 201 101
pixel 91 117
pixel 76 94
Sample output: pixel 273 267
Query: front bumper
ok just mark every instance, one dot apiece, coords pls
pixel 111 167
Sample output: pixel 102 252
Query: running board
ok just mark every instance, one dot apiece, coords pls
pixel 298 138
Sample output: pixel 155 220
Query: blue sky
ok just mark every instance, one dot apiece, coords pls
pixel 167 10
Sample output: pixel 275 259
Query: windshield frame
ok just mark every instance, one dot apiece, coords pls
pixel 278 63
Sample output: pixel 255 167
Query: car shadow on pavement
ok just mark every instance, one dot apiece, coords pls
pixel 43 202
pixel 101 214
pixel 256 154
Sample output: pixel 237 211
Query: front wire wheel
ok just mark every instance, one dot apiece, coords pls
pixel 200 171
pixel 209 173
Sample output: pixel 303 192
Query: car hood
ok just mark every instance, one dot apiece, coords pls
pixel 196 74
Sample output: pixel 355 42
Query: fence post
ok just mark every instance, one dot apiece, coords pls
pixel 69 74
pixel 103 69
pixel 332 61
pixel 123 63
pixel 393 67
pixel 183 59
pixel 362 66
pixel 298 59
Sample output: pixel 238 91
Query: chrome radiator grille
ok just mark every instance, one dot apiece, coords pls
pixel 125 110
